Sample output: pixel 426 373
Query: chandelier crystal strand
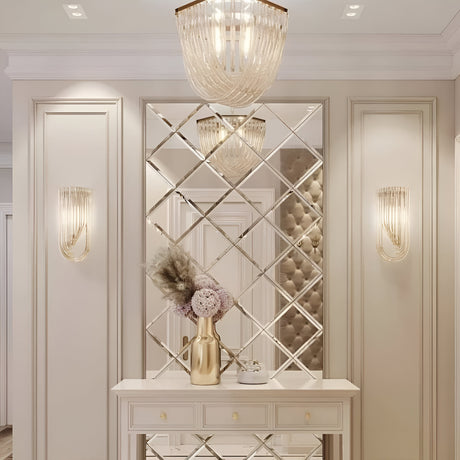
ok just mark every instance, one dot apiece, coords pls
pixel 393 227
pixel 232 48
pixel 236 156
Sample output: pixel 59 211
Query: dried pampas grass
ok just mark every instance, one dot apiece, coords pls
pixel 173 272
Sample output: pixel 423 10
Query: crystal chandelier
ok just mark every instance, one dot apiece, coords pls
pixel 232 48
pixel 237 154
pixel 393 225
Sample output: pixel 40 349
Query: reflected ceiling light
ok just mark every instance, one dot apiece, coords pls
pixel 236 157
pixel 393 224
pixel 232 48
pixel 74 221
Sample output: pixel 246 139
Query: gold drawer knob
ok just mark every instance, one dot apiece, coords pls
pixel 307 416
pixel 163 416
pixel 235 416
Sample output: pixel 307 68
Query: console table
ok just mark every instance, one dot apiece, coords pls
pixel 287 404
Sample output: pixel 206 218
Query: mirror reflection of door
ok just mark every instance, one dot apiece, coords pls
pixel 233 217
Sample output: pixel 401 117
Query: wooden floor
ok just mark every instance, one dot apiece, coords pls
pixel 6 444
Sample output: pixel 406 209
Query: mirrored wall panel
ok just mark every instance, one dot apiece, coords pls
pixel 242 192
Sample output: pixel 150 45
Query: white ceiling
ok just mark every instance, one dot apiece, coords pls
pixel 157 16
pixel 404 39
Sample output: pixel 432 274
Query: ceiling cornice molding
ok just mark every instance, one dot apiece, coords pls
pixel 307 56
pixel 451 34
pixel 159 44
pixel 308 67
pixel 167 44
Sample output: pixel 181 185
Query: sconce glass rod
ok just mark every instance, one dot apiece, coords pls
pixel 393 223
pixel 74 220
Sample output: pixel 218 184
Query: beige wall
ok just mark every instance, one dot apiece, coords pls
pixel 6 185
pixel 457 106
pixel 338 340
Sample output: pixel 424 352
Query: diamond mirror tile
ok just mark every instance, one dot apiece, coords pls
pixel 258 231
pixel 244 446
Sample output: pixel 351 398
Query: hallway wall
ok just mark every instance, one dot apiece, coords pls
pixel 341 351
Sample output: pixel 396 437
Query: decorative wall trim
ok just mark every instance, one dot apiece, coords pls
pixel 425 107
pixel 40 250
pixel 158 56
pixel 457 297
pixel 6 211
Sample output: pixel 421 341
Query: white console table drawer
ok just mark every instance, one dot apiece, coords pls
pixel 162 416
pixel 235 416
pixel 301 416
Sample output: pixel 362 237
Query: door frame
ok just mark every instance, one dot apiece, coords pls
pixel 457 297
pixel 6 211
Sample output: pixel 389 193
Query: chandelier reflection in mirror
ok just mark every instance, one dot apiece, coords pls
pixel 232 48
pixel 242 138
pixel 393 225
pixel 74 220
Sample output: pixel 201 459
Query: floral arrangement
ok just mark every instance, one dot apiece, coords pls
pixel 193 295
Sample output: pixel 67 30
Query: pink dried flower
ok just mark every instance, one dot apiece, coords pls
pixel 204 282
pixel 218 316
pixel 205 302
pixel 183 310
pixel 226 300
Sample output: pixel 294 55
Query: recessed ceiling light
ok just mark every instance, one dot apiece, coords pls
pixel 352 11
pixel 311 107
pixel 74 11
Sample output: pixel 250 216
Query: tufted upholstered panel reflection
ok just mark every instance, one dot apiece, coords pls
pixel 296 271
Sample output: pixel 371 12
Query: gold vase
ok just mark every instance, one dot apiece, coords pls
pixel 205 354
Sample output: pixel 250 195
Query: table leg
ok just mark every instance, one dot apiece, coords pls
pixel 128 441
pixel 346 433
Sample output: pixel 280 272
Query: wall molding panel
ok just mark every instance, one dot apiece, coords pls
pixel 6 212
pixel 77 319
pixel 457 298
pixel 393 305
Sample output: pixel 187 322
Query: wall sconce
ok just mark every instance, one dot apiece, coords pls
pixel 74 220
pixel 393 223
